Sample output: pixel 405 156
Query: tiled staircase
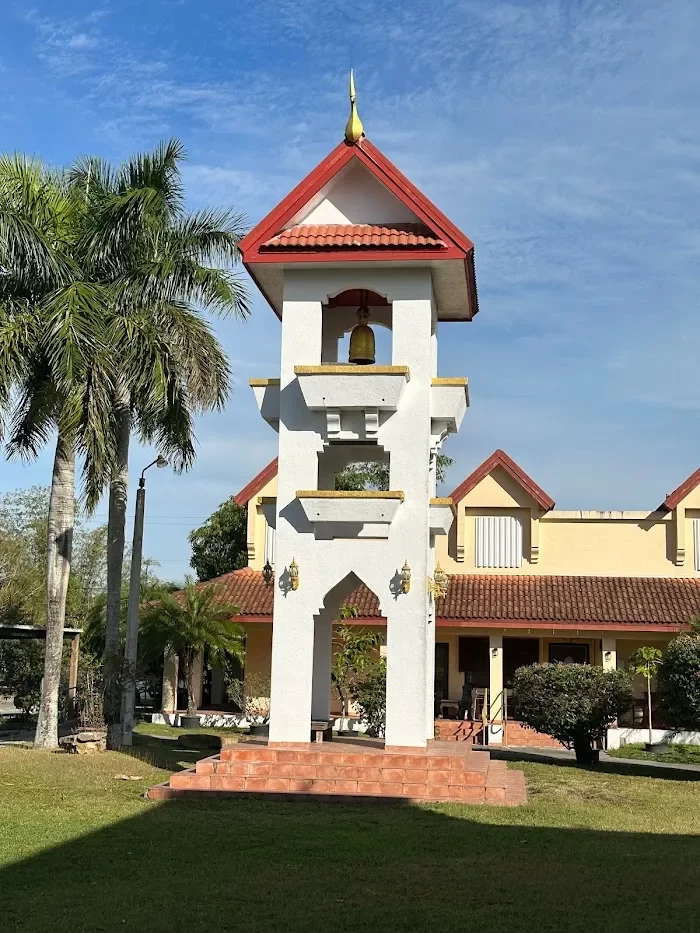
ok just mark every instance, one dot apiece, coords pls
pixel 442 772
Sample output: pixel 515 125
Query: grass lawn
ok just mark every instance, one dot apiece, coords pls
pixel 172 732
pixel 82 851
pixel 677 754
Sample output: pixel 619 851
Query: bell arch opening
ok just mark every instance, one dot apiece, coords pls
pixel 356 328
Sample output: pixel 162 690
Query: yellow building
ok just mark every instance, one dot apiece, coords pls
pixel 527 583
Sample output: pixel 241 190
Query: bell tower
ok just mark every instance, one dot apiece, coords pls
pixel 354 249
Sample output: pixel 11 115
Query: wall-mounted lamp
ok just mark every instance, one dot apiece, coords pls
pixel 437 586
pixel 268 574
pixel 494 652
pixel 294 574
pixel 608 655
pixel 405 578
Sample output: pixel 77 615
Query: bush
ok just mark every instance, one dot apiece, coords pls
pixel 21 672
pixel 574 703
pixel 369 692
pixel 251 695
pixel 679 682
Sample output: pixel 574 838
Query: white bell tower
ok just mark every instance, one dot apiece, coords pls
pixel 354 246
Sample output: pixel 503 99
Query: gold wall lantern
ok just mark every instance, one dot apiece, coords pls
pixel 437 585
pixel 405 578
pixel 294 574
pixel 268 574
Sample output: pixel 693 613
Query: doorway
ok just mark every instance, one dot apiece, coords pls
pixel 564 653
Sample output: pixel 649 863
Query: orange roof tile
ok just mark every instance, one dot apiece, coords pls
pixel 352 236
pixel 514 598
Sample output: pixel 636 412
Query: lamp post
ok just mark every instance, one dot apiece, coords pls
pixel 132 612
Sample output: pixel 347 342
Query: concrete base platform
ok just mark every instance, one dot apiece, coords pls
pixel 351 770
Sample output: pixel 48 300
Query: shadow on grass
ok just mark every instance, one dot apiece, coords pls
pixel 633 767
pixel 166 754
pixel 259 866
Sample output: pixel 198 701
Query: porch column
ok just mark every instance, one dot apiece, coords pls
pixel 170 670
pixel 73 674
pixel 609 652
pixel 496 689
pixel 321 677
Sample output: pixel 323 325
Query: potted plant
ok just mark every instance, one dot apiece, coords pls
pixel 190 622
pixel 644 662
pixel 252 696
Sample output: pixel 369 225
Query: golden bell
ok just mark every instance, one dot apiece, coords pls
pixel 362 340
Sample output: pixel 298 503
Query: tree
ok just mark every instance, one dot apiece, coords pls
pixel 191 622
pixel 219 545
pixel 353 651
pixel 55 369
pixel 21 669
pixel 369 692
pixel 375 475
pixel 162 267
pixel 574 703
pixel 679 681
pixel 645 662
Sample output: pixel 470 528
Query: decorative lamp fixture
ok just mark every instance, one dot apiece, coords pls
pixel 362 337
pixel 405 578
pixel 437 586
pixel 608 655
pixel 268 574
pixel 294 574
pixel 494 652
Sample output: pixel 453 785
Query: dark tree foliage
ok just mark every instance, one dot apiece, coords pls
pixel 219 545
pixel 574 703
pixel 359 476
pixel 679 682
pixel 369 693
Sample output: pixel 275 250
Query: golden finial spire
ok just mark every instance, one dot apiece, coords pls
pixel 353 128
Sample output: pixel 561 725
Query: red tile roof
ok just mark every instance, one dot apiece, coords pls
pixel 678 495
pixel 491 598
pixel 352 236
pixel 499 458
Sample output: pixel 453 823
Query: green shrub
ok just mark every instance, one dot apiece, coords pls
pixel 679 682
pixel 21 671
pixel 369 692
pixel 574 703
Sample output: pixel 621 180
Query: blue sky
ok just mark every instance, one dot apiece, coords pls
pixel 562 137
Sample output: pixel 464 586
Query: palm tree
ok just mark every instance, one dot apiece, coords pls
pixel 54 372
pixel 163 267
pixel 192 622
pixel 644 662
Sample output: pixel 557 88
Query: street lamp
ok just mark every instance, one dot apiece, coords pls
pixel 132 612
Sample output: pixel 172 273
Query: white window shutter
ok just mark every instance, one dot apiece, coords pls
pixel 499 541
pixel 269 545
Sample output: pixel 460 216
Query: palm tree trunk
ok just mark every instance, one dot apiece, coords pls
pixel 59 547
pixel 189 678
pixel 116 532
pixel 651 737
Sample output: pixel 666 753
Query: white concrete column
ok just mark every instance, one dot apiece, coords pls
pixel 323 650
pixel 170 671
pixel 496 688
pixel 609 650
pixel 430 679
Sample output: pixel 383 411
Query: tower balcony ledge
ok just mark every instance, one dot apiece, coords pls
pixel 356 514
pixel 449 400
pixel 267 395
pixel 442 513
pixel 341 386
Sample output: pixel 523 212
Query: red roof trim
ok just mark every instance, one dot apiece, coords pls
pixel 499 458
pixel 257 483
pixel 459 245
pixel 678 495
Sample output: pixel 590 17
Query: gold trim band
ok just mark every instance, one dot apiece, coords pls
pixel 255 383
pixel 340 370
pixel 450 381
pixel 354 494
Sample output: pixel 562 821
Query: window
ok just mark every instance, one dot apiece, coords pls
pixel 269 545
pixel 696 539
pixel 499 541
